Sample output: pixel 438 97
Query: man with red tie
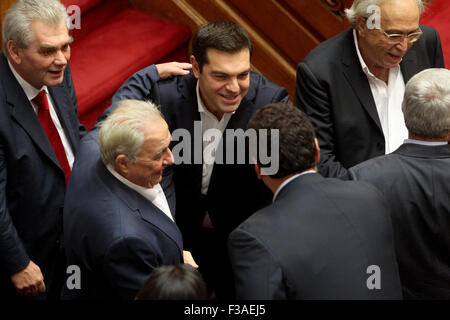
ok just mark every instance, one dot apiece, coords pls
pixel 39 134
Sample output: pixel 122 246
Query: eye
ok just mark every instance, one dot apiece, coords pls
pixel 65 47
pixel 243 76
pixel 395 36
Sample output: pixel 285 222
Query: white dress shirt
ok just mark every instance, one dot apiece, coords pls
pixel 285 182
pixel 31 92
pixel 426 143
pixel 209 124
pixel 155 195
pixel 388 100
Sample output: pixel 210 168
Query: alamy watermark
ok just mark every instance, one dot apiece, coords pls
pixel 74 13
pixel 240 147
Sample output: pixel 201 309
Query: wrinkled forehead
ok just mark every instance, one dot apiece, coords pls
pixel 400 15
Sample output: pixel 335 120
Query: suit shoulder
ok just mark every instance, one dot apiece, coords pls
pixel 328 51
pixel 263 91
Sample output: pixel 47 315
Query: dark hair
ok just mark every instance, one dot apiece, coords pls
pixel 220 35
pixel 297 149
pixel 175 282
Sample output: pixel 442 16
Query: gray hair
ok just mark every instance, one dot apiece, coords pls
pixel 122 131
pixel 19 17
pixel 359 9
pixel 426 106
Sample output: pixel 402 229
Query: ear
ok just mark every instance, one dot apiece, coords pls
pixel 121 164
pixel 360 26
pixel 195 67
pixel 258 171
pixel 316 142
pixel 14 52
pixel 403 106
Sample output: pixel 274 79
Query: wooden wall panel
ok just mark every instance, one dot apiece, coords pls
pixel 282 31
pixel 4 5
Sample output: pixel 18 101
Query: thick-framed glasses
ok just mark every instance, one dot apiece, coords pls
pixel 396 38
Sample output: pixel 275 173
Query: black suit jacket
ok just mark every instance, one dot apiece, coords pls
pixel 32 182
pixel 114 234
pixel 415 180
pixel 334 92
pixel 234 191
pixel 316 241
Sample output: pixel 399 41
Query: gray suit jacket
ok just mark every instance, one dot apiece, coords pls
pixel 316 241
pixel 415 180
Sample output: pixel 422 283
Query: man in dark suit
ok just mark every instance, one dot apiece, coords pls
pixel 351 86
pixel 118 218
pixel 415 181
pixel 320 238
pixel 39 134
pixel 222 93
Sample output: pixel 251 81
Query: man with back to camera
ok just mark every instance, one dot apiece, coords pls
pixel 415 181
pixel 321 238
pixel 39 134
pixel 351 86
pixel 221 93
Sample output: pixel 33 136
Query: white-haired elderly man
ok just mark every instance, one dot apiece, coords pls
pixel 119 212
pixel 39 134
pixel 351 86
pixel 415 181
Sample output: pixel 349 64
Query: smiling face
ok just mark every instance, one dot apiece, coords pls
pixel 45 59
pixel 224 80
pixel 397 16
pixel 154 156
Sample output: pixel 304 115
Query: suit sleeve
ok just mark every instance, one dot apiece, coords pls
pixel 13 256
pixel 127 264
pixel 313 98
pixel 257 276
pixel 140 86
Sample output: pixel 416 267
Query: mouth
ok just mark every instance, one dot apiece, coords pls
pixel 395 57
pixel 56 73
pixel 230 99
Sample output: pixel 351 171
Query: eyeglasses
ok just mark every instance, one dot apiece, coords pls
pixel 396 38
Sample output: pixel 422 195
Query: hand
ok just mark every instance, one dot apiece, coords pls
pixel 170 69
pixel 29 281
pixel 187 257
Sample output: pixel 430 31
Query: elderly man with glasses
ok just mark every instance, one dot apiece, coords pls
pixel 352 85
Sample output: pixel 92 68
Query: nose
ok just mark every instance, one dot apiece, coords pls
pixel 403 45
pixel 232 85
pixel 168 160
pixel 61 58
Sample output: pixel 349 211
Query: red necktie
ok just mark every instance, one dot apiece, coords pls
pixel 52 132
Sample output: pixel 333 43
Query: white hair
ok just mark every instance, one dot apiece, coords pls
pixel 426 106
pixel 122 131
pixel 359 9
pixel 20 16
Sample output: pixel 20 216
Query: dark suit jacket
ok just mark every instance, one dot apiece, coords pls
pixel 114 234
pixel 415 180
pixel 234 191
pixel 316 241
pixel 32 182
pixel 334 92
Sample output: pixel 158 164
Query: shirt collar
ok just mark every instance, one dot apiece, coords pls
pixel 285 182
pixel 426 143
pixel 30 91
pixel 148 193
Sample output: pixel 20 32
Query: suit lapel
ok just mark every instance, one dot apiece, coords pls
pixel 22 112
pixel 60 102
pixel 147 210
pixel 357 79
pixel 409 65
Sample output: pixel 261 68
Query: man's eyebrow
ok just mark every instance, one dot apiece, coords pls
pixel 46 46
pixel 220 73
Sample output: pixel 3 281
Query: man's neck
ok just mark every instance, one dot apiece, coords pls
pixel 414 137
